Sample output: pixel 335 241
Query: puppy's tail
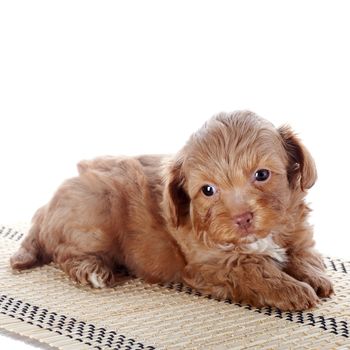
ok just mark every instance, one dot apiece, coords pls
pixel 29 254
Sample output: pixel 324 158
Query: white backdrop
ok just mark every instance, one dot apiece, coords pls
pixel 81 78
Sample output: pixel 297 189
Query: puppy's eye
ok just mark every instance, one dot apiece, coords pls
pixel 262 175
pixel 208 190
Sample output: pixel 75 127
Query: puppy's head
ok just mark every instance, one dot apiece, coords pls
pixel 237 178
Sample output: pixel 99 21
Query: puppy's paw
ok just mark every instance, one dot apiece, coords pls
pixel 321 284
pixel 296 297
pixel 97 280
pixel 89 271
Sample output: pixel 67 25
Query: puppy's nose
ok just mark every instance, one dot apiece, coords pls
pixel 244 220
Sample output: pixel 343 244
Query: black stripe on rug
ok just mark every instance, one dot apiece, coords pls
pixel 80 331
pixel 329 324
pixel 10 233
pixel 337 265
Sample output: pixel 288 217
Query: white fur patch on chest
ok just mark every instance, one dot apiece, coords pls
pixel 266 246
pixel 230 252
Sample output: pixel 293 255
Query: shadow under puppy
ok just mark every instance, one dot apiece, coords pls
pixel 226 215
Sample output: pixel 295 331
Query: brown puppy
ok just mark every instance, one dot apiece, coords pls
pixel 226 215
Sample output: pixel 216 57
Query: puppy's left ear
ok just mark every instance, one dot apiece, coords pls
pixel 176 200
pixel 301 166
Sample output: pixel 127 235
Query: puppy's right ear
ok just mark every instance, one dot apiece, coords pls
pixel 176 199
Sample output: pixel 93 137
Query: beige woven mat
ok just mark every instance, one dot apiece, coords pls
pixel 45 305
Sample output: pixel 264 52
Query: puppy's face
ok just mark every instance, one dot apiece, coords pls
pixel 236 179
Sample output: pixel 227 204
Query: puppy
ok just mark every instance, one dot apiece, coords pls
pixel 226 216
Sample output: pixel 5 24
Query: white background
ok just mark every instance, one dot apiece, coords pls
pixel 81 79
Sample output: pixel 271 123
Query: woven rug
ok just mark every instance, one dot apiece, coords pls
pixel 45 305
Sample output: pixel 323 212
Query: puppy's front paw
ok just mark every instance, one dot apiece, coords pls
pixel 321 284
pixel 295 297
